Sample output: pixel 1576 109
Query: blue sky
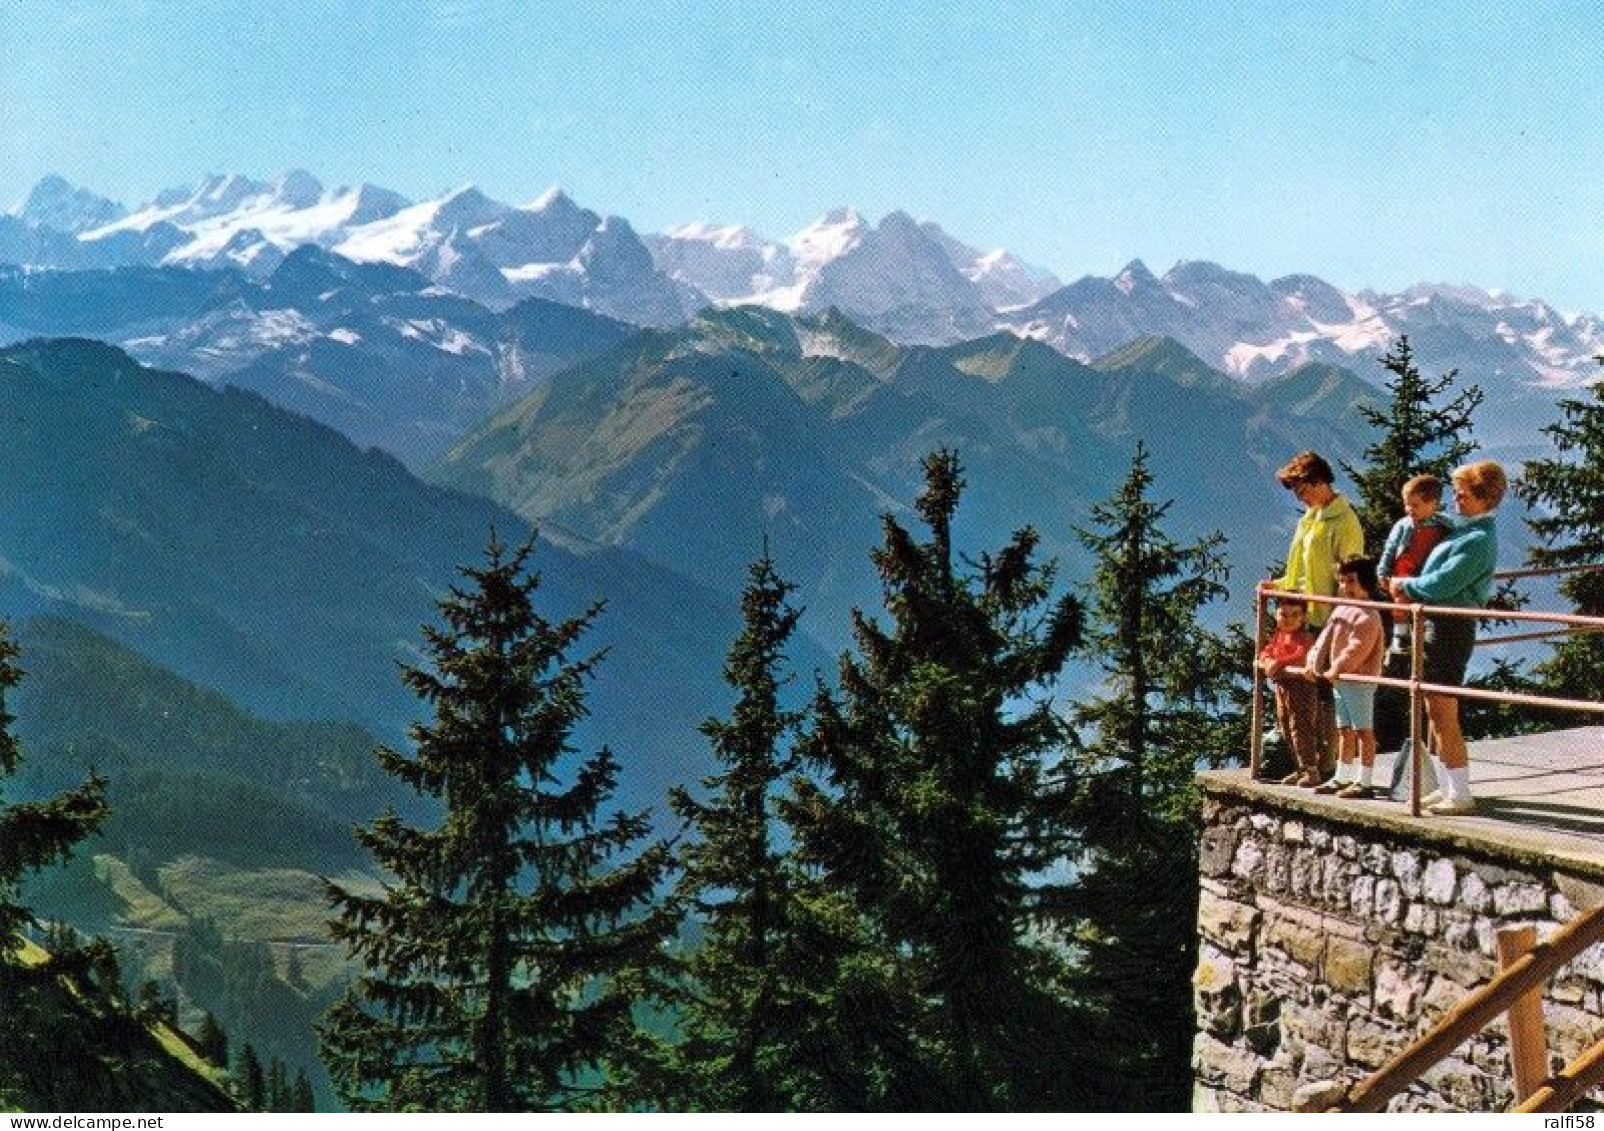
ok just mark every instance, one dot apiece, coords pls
pixel 1374 144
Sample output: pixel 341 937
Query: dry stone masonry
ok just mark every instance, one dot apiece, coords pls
pixel 1331 936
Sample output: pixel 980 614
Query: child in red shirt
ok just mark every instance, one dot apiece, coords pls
pixel 1296 698
pixel 1412 539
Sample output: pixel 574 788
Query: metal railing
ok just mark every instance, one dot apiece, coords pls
pixel 1572 623
pixel 1516 991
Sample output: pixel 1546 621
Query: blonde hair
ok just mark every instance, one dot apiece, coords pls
pixel 1484 479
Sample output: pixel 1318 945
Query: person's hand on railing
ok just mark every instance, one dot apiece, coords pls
pixel 1396 586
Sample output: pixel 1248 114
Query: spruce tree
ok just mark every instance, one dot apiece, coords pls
pixel 250 1082
pixel 1421 429
pixel 212 1040
pixel 926 819
pixel 33 834
pixel 1171 704
pixel 278 1086
pixel 500 963
pixel 155 1006
pixel 739 1050
pixel 303 1099
pixel 1567 497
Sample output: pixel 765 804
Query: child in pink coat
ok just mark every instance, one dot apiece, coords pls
pixel 1353 642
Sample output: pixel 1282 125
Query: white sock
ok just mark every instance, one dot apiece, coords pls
pixel 1456 783
pixel 1344 774
pixel 1367 775
pixel 1440 772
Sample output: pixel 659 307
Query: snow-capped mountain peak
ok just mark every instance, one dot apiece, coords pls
pixel 56 203
pixel 223 191
pixel 410 233
pixel 725 237
pixel 829 237
pixel 1003 279
pixel 555 200
pixel 1134 275
pixel 466 207
pixel 298 189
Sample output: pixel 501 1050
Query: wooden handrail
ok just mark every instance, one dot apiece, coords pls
pixel 1573 1082
pixel 1473 1014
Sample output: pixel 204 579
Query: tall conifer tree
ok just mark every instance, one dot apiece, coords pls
pixel 1424 427
pixel 1567 497
pixel 250 1081
pixel 212 1040
pixel 1171 704
pixel 33 834
pixel 278 1086
pixel 931 755
pixel 500 962
pixel 740 1050
pixel 1421 429
pixel 303 1098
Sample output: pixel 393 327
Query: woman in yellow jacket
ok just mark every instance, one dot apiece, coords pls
pixel 1328 533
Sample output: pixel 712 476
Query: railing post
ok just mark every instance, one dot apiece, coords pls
pixel 1575 1080
pixel 1256 737
pixel 1527 974
pixel 1417 757
pixel 1528 1040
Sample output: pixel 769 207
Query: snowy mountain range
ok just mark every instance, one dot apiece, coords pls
pixel 842 260
pixel 905 278
pixel 373 349
pixel 484 249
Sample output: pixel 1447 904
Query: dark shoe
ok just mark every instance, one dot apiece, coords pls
pixel 1329 786
pixel 1356 792
pixel 1294 778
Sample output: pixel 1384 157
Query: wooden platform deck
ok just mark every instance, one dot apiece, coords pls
pixel 1539 797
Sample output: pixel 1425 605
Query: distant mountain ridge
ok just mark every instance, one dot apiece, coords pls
pixel 258 554
pixel 492 252
pixel 372 349
pixel 900 268
pixel 907 279
pixel 1523 352
pixel 804 429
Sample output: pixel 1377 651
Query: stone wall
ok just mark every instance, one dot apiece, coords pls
pixel 1331 936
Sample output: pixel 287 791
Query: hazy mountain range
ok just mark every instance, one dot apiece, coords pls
pixel 264 556
pixel 690 445
pixel 252 429
pixel 907 279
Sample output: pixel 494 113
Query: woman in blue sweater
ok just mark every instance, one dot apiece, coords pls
pixel 1457 574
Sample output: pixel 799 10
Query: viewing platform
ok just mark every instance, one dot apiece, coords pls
pixel 1334 933
pixel 1541 794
